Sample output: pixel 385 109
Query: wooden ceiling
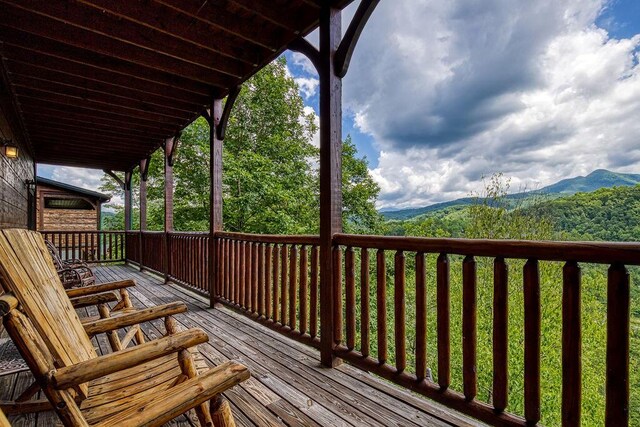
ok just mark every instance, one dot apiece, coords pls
pixel 102 83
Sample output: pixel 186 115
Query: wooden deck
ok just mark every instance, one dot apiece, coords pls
pixel 288 386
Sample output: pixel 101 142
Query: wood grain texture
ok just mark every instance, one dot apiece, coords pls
pixel 571 345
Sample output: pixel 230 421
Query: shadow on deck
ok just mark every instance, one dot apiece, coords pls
pixel 288 386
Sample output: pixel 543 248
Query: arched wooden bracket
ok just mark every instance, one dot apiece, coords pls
pixel 301 45
pixel 343 55
pixel 207 115
pixel 221 123
pixel 170 147
pixel 144 168
pixel 113 175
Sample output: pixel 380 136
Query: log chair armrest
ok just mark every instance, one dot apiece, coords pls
pixel 7 303
pixel 133 318
pixel 70 376
pixel 102 287
pixel 176 400
pixel 91 300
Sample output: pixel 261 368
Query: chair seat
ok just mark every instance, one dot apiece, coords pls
pixel 112 394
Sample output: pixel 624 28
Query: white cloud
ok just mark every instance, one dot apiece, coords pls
pixel 454 90
pixel 308 86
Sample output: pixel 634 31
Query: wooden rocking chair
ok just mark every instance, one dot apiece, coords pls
pixel 72 273
pixel 149 384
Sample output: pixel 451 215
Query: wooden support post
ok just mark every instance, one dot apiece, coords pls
pixel 330 173
pixel 127 200
pixel 144 173
pixel 170 145
pixel 215 202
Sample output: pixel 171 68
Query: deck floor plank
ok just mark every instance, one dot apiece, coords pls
pixel 288 386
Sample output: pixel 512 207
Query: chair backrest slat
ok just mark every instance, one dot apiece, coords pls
pixel 55 255
pixel 26 270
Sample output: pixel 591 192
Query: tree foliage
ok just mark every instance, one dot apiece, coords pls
pixel 270 176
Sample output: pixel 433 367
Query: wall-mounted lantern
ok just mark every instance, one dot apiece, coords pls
pixel 9 149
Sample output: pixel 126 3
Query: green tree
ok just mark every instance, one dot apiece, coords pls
pixel 270 175
pixel 359 193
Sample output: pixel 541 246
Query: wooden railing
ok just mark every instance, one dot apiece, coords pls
pixel 415 377
pixel 189 260
pixel 275 281
pixel 89 246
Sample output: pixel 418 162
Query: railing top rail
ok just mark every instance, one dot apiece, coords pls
pixel 271 238
pixel 81 231
pixel 189 233
pixel 592 252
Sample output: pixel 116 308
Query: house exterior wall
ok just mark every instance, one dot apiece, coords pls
pixel 14 173
pixel 64 219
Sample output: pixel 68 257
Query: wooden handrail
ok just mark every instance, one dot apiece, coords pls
pixel 591 252
pixel 271 238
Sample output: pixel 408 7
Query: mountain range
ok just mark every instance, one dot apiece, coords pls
pixel 600 178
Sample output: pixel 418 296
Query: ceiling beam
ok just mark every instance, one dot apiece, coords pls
pixel 189 23
pixel 60 123
pixel 30 48
pixel 82 114
pixel 13 19
pixel 105 98
pixel 104 30
pixel 20 71
pixel 27 96
pixel 42 114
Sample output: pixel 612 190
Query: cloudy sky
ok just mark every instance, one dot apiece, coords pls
pixel 443 92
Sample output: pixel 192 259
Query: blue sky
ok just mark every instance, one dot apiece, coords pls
pixel 442 93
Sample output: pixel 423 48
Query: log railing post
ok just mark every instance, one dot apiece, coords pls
pixel 144 172
pixel 170 145
pixel 127 205
pixel 330 172
pixel 215 197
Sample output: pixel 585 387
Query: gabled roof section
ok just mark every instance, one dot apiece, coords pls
pixel 102 83
pixel 102 198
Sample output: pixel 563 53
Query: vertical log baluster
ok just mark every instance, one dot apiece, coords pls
pixel 469 328
pixel 248 275
pixel 254 278
pixel 571 345
pixel 293 284
pixel 267 281
pixel 400 312
pixel 234 270
pixel 532 341
pixel 337 294
pixel 313 300
pixel 284 307
pixel 229 260
pixel 421 318
pixel 350 296
pixel 276 277
pixel 304 273
pixel 444 313
pixel 617 383
pixel 239 275
pixel 500 334
pixel 381 296
pixel 365 345
pixel 260 279
pixel 242 273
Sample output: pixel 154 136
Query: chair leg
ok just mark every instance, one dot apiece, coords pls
pixel 114 340
pixel 221 412
pixel 188 367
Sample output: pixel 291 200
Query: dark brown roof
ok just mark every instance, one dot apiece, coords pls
pixel 101 83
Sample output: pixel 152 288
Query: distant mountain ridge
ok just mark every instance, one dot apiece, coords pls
pixel 599 178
